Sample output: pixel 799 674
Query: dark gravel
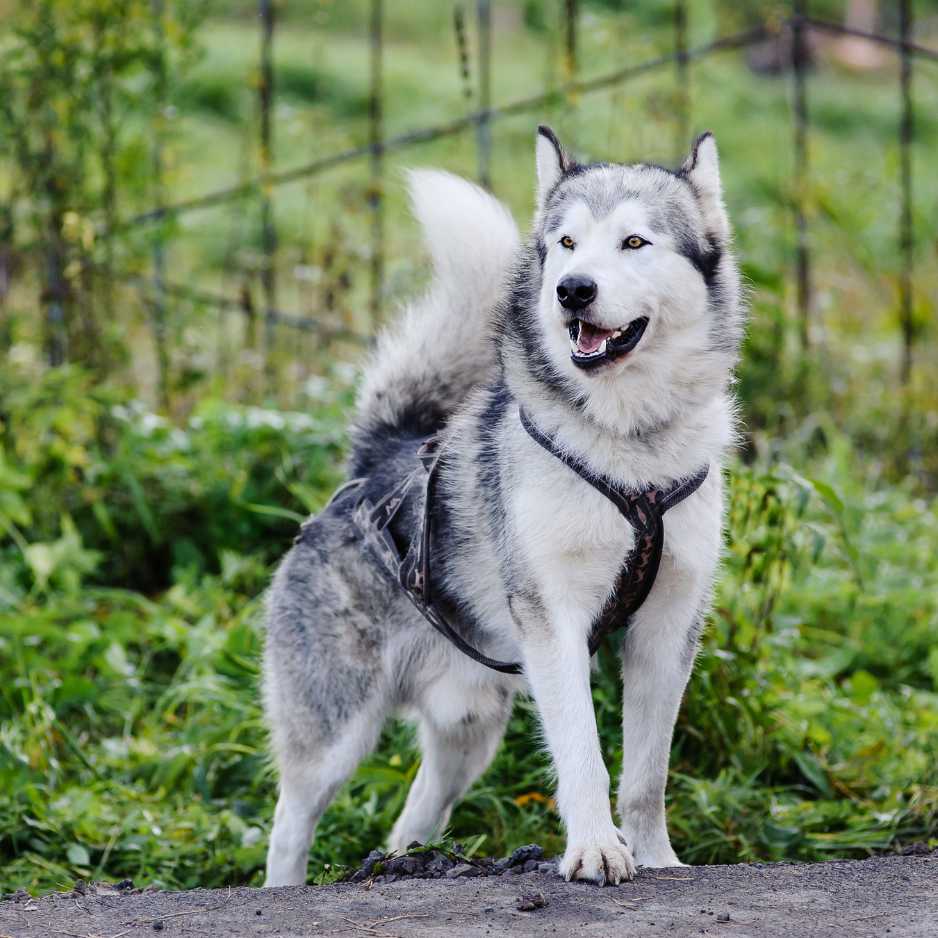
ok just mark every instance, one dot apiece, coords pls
pixel 432 863
pixel 894 896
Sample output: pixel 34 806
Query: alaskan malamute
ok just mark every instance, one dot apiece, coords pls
pixel 573 388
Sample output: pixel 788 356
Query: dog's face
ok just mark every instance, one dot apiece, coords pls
pixel 638 293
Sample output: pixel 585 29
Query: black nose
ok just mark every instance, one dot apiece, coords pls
pixel 576 291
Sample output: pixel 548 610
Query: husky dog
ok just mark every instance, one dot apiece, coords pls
pixel 615 329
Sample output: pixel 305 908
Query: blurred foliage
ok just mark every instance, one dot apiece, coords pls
pixel 135 542
pixel 70 74
pixel 150 499
pixel 188 81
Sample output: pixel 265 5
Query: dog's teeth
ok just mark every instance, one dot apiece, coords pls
pixel 596 353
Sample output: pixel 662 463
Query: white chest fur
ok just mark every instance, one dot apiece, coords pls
pixel 574 540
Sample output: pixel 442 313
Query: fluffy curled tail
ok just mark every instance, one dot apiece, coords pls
pixel 424 365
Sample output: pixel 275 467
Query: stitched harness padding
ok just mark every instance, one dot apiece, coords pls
pixel 643 508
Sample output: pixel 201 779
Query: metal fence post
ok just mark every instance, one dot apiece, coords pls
pixel 570 39
pixel 56 292
pixel 268 229
pixel 462 46
pixel 108 156
pixel 376 132
pixel 798 56
pixel 905 163
pixel 484 127
pixel 681 75
pixel 158 303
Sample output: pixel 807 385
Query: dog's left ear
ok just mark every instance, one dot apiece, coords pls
pixel 552 162
pixel 702 171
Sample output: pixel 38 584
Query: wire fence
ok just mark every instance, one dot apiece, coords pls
pixel 158 289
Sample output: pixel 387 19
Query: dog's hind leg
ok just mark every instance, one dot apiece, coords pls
pixel 454 756
pixel 325 694
pixel 309 778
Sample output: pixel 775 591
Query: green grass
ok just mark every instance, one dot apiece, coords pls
pixel 131 740
pixel 134 547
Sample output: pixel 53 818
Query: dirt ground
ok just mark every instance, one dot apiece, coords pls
pixel 895 896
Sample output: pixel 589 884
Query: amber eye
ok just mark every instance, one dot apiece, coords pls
pixel 568 242
pixel 634 242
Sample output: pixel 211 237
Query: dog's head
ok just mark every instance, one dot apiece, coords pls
pixel 631 302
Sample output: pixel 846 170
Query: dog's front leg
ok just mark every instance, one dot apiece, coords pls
pixel 658 655
pixel 653 682
pixel 556 664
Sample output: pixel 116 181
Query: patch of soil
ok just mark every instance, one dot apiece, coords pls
pixel 895 896
pixel 421 862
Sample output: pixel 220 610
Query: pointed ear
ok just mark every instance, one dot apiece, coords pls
pixel 702 170
pixel 551 162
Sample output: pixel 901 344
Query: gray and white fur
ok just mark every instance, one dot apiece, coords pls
pixel 525 552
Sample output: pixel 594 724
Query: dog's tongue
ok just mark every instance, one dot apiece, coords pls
pixel 590 338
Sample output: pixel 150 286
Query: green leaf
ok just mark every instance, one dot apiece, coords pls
pixel 41 560
pixel 781 837
pixel 78 855
pixel 862 686
pixel 116 657
pixel 814 772
pixel 275 511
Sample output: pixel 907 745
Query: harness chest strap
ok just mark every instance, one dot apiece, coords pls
pixel 644 510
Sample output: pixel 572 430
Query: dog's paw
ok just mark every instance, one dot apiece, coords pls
pixel 606 863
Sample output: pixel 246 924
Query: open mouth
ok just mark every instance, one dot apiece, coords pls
pixel 591 346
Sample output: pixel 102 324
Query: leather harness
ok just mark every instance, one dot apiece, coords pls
pixel 643 509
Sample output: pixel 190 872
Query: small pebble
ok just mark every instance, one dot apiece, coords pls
pixel 529 901
pixel 525 853
pixel 723 917
pixel 157 926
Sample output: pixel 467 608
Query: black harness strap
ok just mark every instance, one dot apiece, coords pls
pixel 644 510
pixel 412 571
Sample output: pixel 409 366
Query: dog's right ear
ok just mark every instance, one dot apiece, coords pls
pixel 702 171
pixel 552 162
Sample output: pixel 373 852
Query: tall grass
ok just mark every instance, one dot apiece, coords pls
pixel 131 742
